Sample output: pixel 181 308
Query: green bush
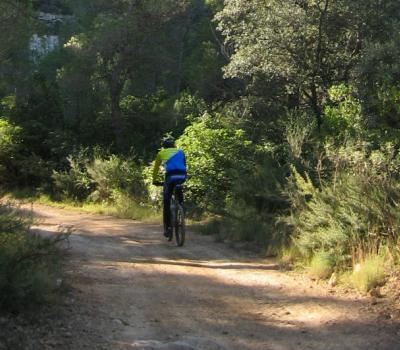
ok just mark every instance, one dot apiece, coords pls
pixel 236 180
pixel 354 212
pixel 99 178
pixel 343 116
pixel 75 183
pixel 298 129
pixel 9 148
pixel 116 174
pixel 378 83
pixel 190 106
pixel 254 203
pixel 28 263
pixel 214 153
pixel 19 168
pixel 257 202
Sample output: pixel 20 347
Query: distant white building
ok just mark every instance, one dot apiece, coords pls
pixel 42 45
pixel 51 18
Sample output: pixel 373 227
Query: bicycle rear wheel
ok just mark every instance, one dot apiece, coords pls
pixel 173 211
pixel 180 229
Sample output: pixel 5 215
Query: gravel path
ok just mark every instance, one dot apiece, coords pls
pixel 130 289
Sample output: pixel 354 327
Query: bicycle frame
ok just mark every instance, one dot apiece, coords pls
pixel 177 214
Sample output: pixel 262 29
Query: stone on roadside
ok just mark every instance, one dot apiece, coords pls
pixel 117 321
pixel 333 280
pixel 357 268
pixel 375 292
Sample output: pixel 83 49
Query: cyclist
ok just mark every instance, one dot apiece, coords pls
pixel 174 163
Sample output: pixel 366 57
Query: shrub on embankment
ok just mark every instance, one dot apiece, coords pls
pixel 107 184
pixel 350 211
pixel 29 264
pixel 328 200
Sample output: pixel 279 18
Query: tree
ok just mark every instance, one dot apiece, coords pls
pixel 378 83
pixel 305 46
pixel 129 42
pixel 15 21
pixel 378 72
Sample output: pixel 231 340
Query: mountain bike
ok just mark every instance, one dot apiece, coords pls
pixel 177 216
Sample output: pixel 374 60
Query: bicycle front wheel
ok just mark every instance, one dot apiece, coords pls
pixel 180 229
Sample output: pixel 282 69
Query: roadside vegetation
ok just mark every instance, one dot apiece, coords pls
pixel 29 264
pixel 289 115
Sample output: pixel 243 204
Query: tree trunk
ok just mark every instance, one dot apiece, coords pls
pixel 181 53
pixel 116 113
pixel 315 105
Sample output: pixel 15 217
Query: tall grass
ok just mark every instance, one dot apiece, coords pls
pixel 369 273
pixel 322 265
pixel 124 207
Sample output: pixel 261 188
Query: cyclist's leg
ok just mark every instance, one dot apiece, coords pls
pixel 179 192
pixel 168 190
pixel 166 203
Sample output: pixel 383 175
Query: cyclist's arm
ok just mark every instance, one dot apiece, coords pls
pixel 156 168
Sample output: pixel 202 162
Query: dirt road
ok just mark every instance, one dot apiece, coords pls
pixel 133 290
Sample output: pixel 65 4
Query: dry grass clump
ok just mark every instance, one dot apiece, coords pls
pixel 369 273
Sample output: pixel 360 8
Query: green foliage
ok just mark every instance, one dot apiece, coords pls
pixel 388 106
pixel 216 5
pixel 213 153
pixel 9 139
pixel 110 185
pixel 253 203
pixel 100 179
pixel 203 68
pixel 353 213
pixel 256 202
pixel 190 106
pixel 15 22
pixel 9 148
pixel 343 117
pixel 289 44
pixel 75 183
pixel 114 174
pixel 298 131
pixel 144 114
pixel 297 147
pixel 28 264
pixel 20 164
pixel 378 81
